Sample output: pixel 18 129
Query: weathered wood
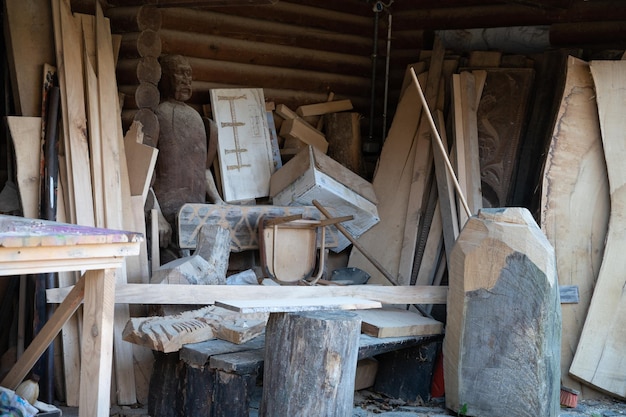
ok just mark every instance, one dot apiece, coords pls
pixel 304 378
pixel 151 126
pixel 141 160
pixel 343 133
pixel 599 356
pixel 135 19
pixel 28 27
pixel 394 322
pixel 575 203
pixel 147 96
pixel 208 264
pixel 208 294
pixel 295 129
pixel 495 356
pixel 170 333
pixel 324 108
pixel 168 375
pixel 481 59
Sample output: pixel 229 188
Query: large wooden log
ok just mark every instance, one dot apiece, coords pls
pixel 575 203
pixel 310 364
pixel 503 335
pixel 599 358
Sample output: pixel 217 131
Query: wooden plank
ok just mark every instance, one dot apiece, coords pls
pixel 422 169
pixel 140 160
pixel 242 221
pixel 244 144
pixel 296 129
pixel 599 358
pixel 575 203
pixel 26 135
pixel 394 322
pixel 28 27
pixel 45 336
pixel 318 109
pixel 470 141
pixel 300 304
pixel 117 210
pixel 395 166
pixel 208 294
pixel 458 147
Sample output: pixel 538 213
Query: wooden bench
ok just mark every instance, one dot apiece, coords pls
pixel 216 378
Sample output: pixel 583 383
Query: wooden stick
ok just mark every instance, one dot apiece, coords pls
pixel 440 144
pixel 357 245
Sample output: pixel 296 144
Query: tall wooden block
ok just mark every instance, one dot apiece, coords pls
pixel 503 335
pixel 310 364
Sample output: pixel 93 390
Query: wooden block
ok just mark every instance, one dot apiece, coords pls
pixel 365 373
pixel 343 132
pixel 294 305
pixel 244 146
pixel 394 322
pixel 482 59
pixel 297 129
pixel 311 175
pixel 324 108
pixel 502 259
pixel 140 160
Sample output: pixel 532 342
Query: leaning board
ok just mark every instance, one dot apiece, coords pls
pixel 600 359
pixel 244 145
pixel 575 202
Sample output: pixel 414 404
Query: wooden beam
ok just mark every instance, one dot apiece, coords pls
pixel 208 294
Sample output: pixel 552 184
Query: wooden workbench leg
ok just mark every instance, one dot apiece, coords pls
pixel 97 343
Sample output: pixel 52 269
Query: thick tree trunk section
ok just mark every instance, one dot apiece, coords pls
pixel 502 344
pixel 310 364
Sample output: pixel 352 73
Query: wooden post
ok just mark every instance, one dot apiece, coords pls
pixel 310 364
pixel 503 336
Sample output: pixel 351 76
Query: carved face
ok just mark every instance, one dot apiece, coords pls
pixel 176 81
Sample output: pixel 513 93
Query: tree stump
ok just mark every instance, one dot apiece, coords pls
pixel 503 335
pixel 310 364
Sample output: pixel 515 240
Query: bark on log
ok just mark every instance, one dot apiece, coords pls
pixel 310 364
pixel 503 337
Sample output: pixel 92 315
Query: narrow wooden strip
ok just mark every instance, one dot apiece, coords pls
pixel 208 294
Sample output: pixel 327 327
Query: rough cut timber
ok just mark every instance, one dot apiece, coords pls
pixel 310 364
pixel 343 132
pixel 296 129
pixel 170 333
pixel 575 204
pixel 324 108
pixel 394 322
pixel 599 359
pixel 503 335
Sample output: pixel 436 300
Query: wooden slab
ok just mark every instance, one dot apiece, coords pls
pixel 599 358
pixel 244 143
pixel 208 294
pixel 301 304
pixel 26 135
pixel 140 160
pixel 575 203
pixel 242 221
pixel 394 322
pixel 324 108
pixel 297 129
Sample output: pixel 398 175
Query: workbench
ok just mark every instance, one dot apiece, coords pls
pixel 30 246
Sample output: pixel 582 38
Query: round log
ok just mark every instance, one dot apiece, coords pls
pixel 147 96
pixel 149 70
pixel 151 127
pixel 149 44
pixel 134 18
pixel 310 364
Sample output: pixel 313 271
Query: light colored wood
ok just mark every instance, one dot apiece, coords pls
pixel 458 144
pixel 208 294
pixel 28 28
pixel 118 211
pixel 365 373
pixel 170 333
pixel 422 167
pixel 244 144
pixel 394 322
pixel 324 108
pixel 45 336
pixel 97 345
pixel 70 68
pixel 575 203
pixel 140 160
pixel 300 304
pixel 470 140
pixel 434 244
pixel 155 253
pixel 26 135
pixel 296 129
pixel 599 358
